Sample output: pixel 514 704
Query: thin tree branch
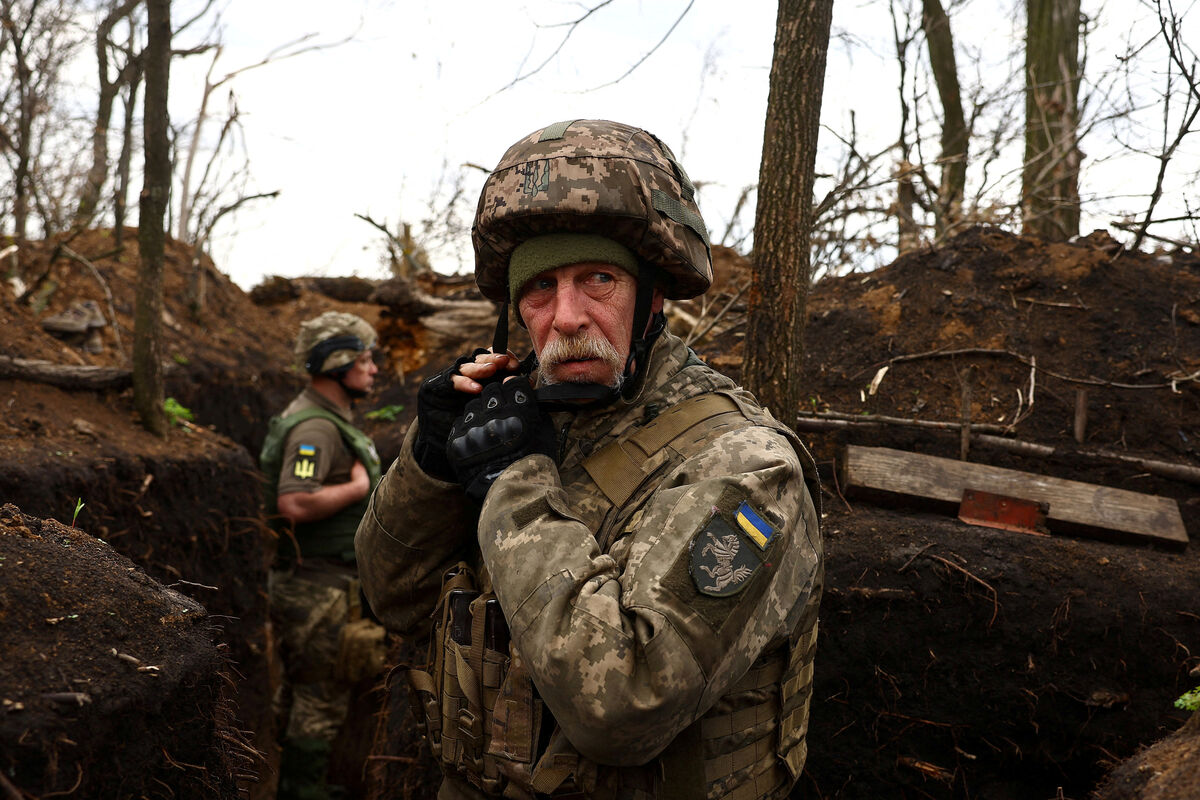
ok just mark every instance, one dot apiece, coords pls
pixel 649 53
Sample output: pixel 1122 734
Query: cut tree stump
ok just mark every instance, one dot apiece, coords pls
pixel 1074 507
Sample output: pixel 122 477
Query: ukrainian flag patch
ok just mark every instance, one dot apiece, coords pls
pixel 307 450
pixel 753 525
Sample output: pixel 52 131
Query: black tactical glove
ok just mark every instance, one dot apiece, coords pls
pixel 500 426
pixel 438 405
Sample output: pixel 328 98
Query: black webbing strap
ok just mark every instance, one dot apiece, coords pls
pixel 323 349
pixel 500 337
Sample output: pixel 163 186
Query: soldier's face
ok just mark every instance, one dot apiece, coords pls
pixel 361 376
pixel 580 318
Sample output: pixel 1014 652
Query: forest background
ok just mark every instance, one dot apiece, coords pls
pixel 394 111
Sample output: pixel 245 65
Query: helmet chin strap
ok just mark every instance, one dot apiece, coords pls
pixel 579 396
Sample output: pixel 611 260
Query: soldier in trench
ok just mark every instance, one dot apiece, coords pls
pixel 320 469
pixel 550 523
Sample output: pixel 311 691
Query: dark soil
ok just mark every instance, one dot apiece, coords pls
pixel 1168 770
pixel 953 661
pixel 113 686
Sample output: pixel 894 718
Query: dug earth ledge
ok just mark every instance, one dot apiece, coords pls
pixel 954 661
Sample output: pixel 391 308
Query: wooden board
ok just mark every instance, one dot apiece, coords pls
pixel 1073 505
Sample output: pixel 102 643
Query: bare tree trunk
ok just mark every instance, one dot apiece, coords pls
pixel 783 219
pixel 147 323
pixel 1050 179
pixel 89 197
pixel 23 145
pixel 906 191
pixel 124 161
pixel 948 211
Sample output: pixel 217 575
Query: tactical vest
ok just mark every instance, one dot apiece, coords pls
pixel 332 537
pixel 487 725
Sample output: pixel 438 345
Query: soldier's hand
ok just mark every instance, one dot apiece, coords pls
pixel 441 399
pixel 500 426
pixel 485 368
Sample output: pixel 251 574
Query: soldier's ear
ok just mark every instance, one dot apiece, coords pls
pixel 656 302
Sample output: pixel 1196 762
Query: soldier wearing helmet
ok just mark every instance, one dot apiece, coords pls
pixel 319 469
pixel 620 580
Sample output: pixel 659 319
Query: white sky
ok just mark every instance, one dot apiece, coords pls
pixel 372 125
pixel 367 127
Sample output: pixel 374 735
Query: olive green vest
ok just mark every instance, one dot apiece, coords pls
pixel 332 537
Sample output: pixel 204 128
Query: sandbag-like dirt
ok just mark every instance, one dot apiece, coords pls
pixel 113 685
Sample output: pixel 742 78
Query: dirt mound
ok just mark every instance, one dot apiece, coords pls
pixel 954 662
pixel 1170 770
pixel 1026 332
pixel 966 662
pixel 1123 326
pixel 113 684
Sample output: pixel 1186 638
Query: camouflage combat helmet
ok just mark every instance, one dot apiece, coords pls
pixel 332 340
pixel 593 176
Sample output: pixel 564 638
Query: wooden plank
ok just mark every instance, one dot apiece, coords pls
pixel 1072 504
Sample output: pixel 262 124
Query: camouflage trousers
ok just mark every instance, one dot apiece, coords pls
pixel 308 611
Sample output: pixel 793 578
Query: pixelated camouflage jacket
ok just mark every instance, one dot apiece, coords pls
pixel 622 644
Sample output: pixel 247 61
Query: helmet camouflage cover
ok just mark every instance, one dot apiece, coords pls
pixel 593 176
pixel 330 325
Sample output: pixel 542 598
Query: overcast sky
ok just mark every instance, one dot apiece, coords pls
pixel 380 124
pixel 371 126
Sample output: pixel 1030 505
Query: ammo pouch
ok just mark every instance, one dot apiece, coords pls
pixel 480 709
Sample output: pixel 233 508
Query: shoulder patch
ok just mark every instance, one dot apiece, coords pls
pixel 722 561
pixel 752 523
pixel 306 461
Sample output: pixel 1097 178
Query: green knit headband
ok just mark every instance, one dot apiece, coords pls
pixel 541 253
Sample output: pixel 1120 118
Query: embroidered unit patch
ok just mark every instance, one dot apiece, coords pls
pixel 306 464
pixel 720 564
pixel 755 527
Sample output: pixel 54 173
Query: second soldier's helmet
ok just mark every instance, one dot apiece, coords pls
pixel 593 176
pixel 330 342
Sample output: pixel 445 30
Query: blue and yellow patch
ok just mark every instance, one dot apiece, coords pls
pixel 306 464
pixel 753 525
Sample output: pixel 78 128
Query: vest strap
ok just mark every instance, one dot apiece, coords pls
pixel 619 467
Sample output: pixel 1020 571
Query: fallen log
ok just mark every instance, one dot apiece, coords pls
pixel 829 421
pixel 63 375
pixel 857 420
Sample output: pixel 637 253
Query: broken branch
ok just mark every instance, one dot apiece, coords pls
pixel 1031 362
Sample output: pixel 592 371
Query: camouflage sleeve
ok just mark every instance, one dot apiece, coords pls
pixel 414 529
pixel 629 648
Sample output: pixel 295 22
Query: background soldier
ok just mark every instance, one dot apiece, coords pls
pixel 623 590
pixel 320 470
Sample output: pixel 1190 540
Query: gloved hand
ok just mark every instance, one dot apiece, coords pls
pixel 500 426
pixel 438 405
